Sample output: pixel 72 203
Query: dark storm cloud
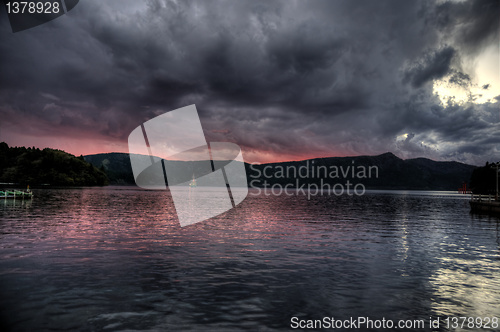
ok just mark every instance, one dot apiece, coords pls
pixel 280 78
pixel 433 65
pixel 473 24
pixel 460 79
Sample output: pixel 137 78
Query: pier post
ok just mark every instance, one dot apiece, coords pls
pixel 496 192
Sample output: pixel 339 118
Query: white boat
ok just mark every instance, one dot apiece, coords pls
pixel 192 184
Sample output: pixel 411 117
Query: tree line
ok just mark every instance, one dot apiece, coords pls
pixel 483 180
pixel 33 166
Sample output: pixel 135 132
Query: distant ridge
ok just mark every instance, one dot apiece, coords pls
pixel 393 172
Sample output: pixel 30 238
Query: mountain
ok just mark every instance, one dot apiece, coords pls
pixel 116 166
pixel 32 166
pixel 385 171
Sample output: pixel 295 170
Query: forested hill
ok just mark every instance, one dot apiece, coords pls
pixel 32 166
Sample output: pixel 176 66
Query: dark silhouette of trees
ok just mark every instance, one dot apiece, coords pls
pixel 483 180
pixel 32 166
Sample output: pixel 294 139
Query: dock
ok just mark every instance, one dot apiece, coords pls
pixel 13 194
pixel 485 204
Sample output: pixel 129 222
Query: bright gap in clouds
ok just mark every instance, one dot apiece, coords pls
pixel 484 85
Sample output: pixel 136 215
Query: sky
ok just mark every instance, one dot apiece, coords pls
pixel 285 80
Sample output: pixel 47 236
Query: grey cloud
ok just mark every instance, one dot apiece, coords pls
pixel 432 65
pixel 460 79
pixel 472 24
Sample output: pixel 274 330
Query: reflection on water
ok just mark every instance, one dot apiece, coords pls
pixel 17 203
pixel 466 274
pixel 116 258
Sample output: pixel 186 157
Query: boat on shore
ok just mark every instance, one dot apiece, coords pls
pixel 16 194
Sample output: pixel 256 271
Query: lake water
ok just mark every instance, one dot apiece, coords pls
pixel 116 258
